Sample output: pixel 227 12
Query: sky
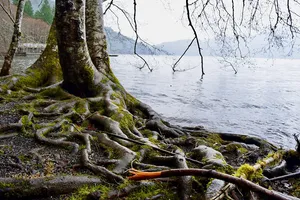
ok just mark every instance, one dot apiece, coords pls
pixel 158 21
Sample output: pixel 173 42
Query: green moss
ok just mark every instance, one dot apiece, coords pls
pixel 34 79
pixel 82 147
pixel 84 191
pixel 296 187
pixel 98 106
pixel 80 107
pixel 219 156
pixel 130 100
pixel 89 72
pixel 249 171
pixel 147 133
pixel 124 118
pixel 227 169
pixel 150 190
pixel 242 150
pixel 104 80
pixel 55 93
pixel 6 185
pixel 26 106
pixel 25 121
pixel 214 140
pixel 23 158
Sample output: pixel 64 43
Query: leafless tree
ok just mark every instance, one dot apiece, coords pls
pixel 15 40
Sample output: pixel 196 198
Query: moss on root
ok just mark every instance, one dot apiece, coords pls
pixel 249 172
pixel 84 191
pixel 55 93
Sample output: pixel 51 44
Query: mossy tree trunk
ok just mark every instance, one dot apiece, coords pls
pixel 14 41
pixel 80 76
pixel 46 70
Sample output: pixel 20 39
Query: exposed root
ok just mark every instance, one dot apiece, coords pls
pixel 159 126
pixel 37 90
pixel 125 155
pixel 11 127
pixel 102 171
pixel 8 135
pixel 106 123
pixel 278 170
pixel 41 136
pixel 185 182
pixel 17 188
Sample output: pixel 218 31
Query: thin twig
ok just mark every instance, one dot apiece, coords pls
pixel 136 39
pixel 8 14
pixel 196 36
pixel 188 47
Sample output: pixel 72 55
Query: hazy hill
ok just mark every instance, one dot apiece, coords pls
pixel 120 44
pixel 259 47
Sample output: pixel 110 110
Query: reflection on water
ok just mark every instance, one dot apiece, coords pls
pixel 261 101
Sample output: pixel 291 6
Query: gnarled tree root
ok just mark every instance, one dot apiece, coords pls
pixel 16 188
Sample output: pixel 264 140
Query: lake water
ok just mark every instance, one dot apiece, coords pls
pixel 261 100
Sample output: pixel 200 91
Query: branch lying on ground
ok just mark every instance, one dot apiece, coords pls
pixel 243 175
pixel 139 175
pixel 284 177
pixel 43 187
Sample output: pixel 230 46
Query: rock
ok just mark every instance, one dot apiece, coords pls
pixel 209 155
pixel 214 187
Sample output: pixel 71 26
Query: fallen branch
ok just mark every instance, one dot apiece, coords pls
pixel 284 177
pixel 15 188
pixel 139 175
pixel 253 169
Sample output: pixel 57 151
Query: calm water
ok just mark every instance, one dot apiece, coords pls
pixel 262 100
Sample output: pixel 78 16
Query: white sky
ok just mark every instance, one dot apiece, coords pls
pixel 158 21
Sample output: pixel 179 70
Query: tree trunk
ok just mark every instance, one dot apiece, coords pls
pixel 96 39
pixel 80 75
pixel 46 70
pixel 15 40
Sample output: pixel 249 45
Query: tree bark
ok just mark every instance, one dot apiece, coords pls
pixel 15 40
pixel 96 38
pixel 80 75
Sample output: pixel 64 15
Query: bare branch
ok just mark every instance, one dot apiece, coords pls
pixel 188 47
pixel 195 34
pixel 108 7
pixel 136 39
pixel 7 13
